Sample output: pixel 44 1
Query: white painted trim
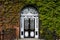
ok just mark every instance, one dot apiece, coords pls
pixel 30 15
pixel 22 27
pixel 36 28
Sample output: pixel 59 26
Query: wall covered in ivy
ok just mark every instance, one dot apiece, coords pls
pixel 49 14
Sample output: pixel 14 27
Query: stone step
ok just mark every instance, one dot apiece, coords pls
pixel 29 39
pixel 32 39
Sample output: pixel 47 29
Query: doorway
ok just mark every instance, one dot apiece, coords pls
pixel 29 23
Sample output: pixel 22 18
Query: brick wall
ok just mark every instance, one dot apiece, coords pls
pixel 9 15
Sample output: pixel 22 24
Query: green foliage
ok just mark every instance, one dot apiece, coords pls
pixel 49 13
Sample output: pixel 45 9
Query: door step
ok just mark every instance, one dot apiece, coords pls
pixel 29 39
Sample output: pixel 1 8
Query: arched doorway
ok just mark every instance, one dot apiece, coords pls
pixel 29 23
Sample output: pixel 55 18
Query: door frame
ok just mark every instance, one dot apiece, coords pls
pixel 35 17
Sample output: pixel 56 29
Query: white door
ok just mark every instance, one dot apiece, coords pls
pixel 29 28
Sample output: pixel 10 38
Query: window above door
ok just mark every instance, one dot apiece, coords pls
pixel 29 12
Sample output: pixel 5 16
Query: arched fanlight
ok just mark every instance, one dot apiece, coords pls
pixel 29 10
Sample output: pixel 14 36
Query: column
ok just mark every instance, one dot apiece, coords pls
pixel 36 28
pixel 22 27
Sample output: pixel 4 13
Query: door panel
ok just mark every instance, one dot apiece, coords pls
pixel 26 24
pixel 32 24
pixel 32 33
pixel 26 28
pixel 32 27
pixel 26 34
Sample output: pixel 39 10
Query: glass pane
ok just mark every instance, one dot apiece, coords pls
pixel 26 24
pixel 32 23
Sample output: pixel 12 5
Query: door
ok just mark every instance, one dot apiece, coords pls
pixel 29 28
